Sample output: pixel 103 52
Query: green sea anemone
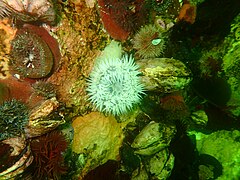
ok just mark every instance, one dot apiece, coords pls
pixel 114 85
pixel 149 42
pixel 13 118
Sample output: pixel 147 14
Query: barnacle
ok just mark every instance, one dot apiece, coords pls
pixel 15 157
pixel 44 118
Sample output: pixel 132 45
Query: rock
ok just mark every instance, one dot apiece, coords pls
pixel 225 147
pixel 160 165
pixel 97 137
pixel 153 138
pixel 200 118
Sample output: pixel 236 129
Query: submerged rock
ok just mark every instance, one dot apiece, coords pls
pixel 159 166
pixel 224 146
pixel 97 139
pixel 153 138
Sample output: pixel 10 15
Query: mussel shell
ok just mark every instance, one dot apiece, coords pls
pixel 44 118
pixel 164 75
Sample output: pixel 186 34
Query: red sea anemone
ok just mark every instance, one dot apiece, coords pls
pixel 122 17
pixel 34 53
pixel 48 155
pixel 174 106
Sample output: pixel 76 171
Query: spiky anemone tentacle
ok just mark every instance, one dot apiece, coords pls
pixel 5 10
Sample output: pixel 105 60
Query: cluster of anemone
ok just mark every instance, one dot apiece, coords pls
pixel 114 85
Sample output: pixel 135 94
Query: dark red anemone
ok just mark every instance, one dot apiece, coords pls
pixel 48 155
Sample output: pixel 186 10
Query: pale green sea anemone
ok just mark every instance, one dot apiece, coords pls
pixel 114 86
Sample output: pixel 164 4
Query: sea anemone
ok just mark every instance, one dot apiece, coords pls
pixel 30 55
pixel 121 18
pixel 48 155
pixel 4 9
pixel 114 85
pixel 174 107
pixel 13 118
pixel 188 13
pixel 149 42
pixel 28 11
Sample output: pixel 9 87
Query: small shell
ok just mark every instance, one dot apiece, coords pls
pixel 155 42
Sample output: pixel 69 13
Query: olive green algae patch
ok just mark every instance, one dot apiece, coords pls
pixel 225 147
pixel 231 65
